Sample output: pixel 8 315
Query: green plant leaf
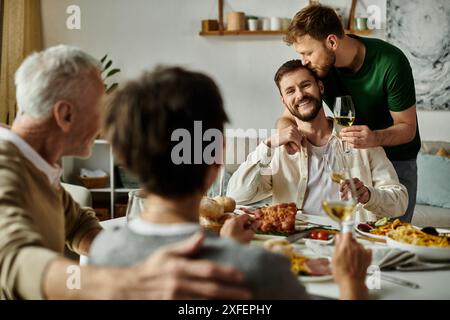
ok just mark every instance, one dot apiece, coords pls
pixel 104 58
pixel 112 72
pixel 112 88
pixel 106 67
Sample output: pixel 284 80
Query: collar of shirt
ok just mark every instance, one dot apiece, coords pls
pixel 53 173
pixel 143 227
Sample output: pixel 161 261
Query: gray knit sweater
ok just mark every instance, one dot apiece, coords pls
pixel 268 275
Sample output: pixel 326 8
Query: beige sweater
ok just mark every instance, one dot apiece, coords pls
pixel 36 221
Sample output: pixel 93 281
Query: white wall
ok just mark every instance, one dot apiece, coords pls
pixel 140 34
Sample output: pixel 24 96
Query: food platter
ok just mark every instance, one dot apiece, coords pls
pixel 368 234
pixel 422 252
pixel 378 229
pixel 426 247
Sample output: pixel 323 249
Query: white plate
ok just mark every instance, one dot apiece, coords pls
pixel 321 242
pixel 307 279
pixel 423 252
pixel 370 235
pixel 263 237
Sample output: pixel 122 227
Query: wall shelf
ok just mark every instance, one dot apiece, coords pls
pixel 242 33
pixel 222 32
pixel 264 33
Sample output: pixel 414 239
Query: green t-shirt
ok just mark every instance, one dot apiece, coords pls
pixel 384 83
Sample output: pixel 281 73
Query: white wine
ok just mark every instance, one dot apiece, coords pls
pixel 339 210
pixel 344 121
pixel 337 177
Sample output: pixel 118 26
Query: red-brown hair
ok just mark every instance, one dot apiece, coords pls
pixel 316 21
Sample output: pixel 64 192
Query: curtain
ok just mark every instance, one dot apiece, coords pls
pixel 21 35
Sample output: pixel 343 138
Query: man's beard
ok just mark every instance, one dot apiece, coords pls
pixel 311 115
pixel 322 70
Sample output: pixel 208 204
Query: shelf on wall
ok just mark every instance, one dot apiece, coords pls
pixel 101 141
pixel 125 190
pixel 100 190
pixel 241 33
pixel 263 33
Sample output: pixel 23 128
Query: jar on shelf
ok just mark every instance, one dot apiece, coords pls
pixel 236 21
pixel 252 23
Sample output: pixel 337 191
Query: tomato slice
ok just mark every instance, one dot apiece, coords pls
pixel 313 234
pixel 322 235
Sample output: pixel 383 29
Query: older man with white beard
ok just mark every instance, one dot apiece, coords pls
pixel 60 102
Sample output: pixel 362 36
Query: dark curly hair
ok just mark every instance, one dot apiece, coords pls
pixel 142 116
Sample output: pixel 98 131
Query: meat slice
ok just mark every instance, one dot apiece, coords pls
pixel 277 218
pixel 318 267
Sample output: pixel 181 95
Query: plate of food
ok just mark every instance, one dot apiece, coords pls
pixel 378 229
pixel 277 220
pixel 426 246
pixel 320 235
pixel 311 269
pixel 308 268
pixel 215 211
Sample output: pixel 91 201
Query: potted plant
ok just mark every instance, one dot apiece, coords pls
pixel 107 72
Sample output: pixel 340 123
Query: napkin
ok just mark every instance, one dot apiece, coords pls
pixel 395 259
pixel 385 258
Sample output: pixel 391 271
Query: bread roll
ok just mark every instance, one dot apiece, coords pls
pixel 210 209
pixel 279 246
pixel 227 203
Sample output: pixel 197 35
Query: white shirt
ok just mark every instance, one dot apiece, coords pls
pixel 142 227
pixel 53 173
pixel 320 185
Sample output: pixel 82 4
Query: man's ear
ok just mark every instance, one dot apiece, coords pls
pixel 321 87
pixel 331 42
pixel 63 113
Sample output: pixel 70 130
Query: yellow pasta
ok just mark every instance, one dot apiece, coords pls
pixel 298 264
pixel 383 230
pixel 410 235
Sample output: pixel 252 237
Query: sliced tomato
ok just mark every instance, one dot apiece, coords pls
pixel 313 234
pixel 322 235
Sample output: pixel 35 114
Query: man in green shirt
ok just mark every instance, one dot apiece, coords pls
pixel 379 78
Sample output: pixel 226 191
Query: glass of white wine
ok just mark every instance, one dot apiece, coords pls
pixel 344 114
pixel 340 210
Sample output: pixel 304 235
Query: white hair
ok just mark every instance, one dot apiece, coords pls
pixel 44 78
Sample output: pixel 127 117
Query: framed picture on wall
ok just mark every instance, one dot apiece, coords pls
pixel 421 29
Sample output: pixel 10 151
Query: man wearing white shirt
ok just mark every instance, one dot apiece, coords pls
pixel 302 177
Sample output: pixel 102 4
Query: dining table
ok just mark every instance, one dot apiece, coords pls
pixel 393 285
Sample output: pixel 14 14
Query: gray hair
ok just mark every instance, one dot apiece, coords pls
pixel 44 78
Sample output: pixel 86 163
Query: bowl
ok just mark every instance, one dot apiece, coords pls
pixel 422 252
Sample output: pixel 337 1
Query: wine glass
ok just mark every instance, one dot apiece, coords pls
pixel 344 114
pixel 340 210
pixel 136 204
